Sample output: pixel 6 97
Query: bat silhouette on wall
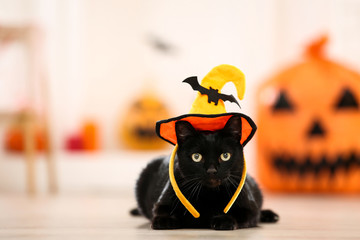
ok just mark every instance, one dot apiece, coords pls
pixel 213 94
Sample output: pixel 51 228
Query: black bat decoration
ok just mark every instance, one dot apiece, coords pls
pixel 213 94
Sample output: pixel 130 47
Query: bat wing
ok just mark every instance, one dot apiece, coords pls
pixel 230 98
pixel 196 86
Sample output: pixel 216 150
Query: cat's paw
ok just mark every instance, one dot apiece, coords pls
pixel 268 216
pixel 224 222
pixel 165 222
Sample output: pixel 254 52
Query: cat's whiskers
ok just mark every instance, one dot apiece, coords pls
pixel 194 190
pixel 199 190
pixel 188 178
pixel 187 185
pixel 233 181
pixel 236 177
pixel 227 187
pixel 175 206
pixel 191 186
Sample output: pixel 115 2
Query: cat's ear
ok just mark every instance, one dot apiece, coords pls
pixel 233 126
pixel 184 130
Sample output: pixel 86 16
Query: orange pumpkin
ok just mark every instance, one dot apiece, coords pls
pixel 14 139
pixel 90 135
pixel 309 127
pixel 137 130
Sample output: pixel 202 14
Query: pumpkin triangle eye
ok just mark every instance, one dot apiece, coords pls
pixel 282 103
pixel 347 100
pixel 316 130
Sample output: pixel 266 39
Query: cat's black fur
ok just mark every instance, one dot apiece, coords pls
pixel 208 184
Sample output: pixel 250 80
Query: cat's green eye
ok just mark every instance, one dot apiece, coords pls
pixel 225 156
pixel 196 157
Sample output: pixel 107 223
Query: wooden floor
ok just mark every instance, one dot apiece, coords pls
pixel 88 216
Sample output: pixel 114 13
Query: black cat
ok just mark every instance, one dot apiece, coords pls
pixel 208 169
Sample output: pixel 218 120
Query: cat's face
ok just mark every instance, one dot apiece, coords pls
pixel 210 157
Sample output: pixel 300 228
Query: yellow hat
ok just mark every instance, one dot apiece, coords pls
pixel 208 113
pixel 205 116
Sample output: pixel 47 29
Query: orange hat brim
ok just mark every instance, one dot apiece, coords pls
pixel 204 122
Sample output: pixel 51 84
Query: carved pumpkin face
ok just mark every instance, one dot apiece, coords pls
pixel 138 128
pixel 309 128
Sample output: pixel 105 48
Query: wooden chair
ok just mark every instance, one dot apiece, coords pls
pixel 30 37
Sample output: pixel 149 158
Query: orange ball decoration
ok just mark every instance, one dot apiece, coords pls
pixel 14 139
pixel 90 136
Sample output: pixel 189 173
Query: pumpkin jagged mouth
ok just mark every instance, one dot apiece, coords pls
pixel 145 132
pixel 290 165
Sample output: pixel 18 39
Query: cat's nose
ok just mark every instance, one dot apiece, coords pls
pixel 211 170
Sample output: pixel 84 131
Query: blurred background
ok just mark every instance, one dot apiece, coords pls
pixel 87 65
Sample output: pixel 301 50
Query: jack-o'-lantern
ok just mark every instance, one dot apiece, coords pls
pixel 138 127
pixel 309 127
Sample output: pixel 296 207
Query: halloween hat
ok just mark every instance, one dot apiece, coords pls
pixel 208 113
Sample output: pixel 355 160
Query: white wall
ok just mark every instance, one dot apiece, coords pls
pixel 203 34
pixel 99 56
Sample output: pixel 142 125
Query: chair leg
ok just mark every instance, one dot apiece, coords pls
pixel 29 130
pixel 51 166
